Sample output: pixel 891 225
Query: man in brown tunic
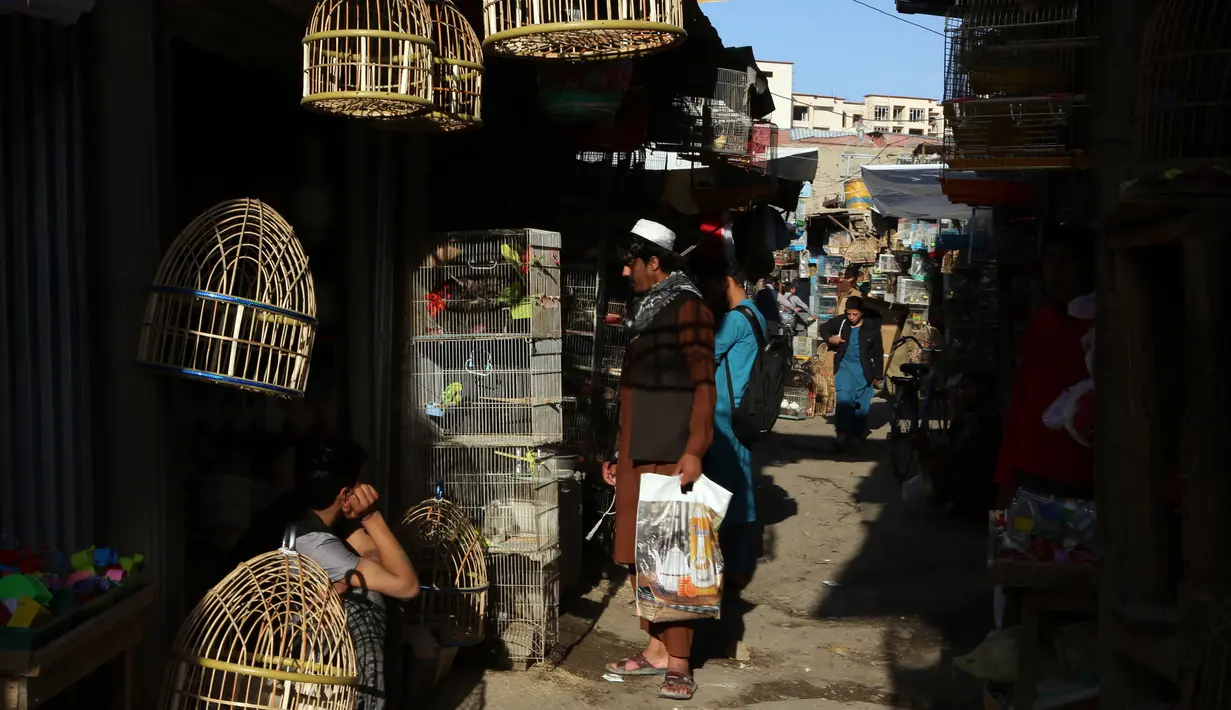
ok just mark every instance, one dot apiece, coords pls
pixel 667 397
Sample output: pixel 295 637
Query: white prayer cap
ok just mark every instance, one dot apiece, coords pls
pixel 655 233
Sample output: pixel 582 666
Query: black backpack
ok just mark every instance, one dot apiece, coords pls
pixel 757 412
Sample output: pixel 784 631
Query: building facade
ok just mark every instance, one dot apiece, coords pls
pixel 877 113
pixel 781 77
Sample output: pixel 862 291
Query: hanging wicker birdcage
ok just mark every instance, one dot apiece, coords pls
pixel 272 634
pixel 457 75
pixel 582 29
pixel 233 302
pixel 1184 107
pixel 447 552
pixel 369 58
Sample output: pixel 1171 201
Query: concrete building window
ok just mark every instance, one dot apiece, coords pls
pixel 857 118
pixel 916 115
pixel 801 113
pixel 899 113
pixel 897 129
pixel 881 113
pixel 916 131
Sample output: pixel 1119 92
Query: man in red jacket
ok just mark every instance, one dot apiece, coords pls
pixel 1052 359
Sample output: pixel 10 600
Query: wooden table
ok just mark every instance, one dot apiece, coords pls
pixel 30 678
pixel 1031 590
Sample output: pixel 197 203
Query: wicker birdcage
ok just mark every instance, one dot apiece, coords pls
pixel 457 76
pixel 369 58
pixel 272 634
pixel 863 250
pixel 233 302
pixel 582 29
pixel 447 552
pixel 1183 102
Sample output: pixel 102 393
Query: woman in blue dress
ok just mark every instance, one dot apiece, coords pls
pixel 858 367
pixel 728 462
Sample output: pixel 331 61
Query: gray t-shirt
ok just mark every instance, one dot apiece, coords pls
pixel 336 557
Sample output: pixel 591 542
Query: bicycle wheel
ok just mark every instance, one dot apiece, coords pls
pixel 901 433
pixel 936 413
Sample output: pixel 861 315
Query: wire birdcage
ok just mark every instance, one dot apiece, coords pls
pixel 716 126
pixel 492 283
pixel 1015 90
pixel 582 29
pixel 272 634
pixel 525 607
pixel 447 553
pixel 508 492
pixel 489 391
pixel 233 302
pixel 762 147
pixel 796 403
pixel 580 301
pixel 1183 101
pixel 369 58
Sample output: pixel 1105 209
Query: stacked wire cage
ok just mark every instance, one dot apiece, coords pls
pixel 485 390
pixel 1015 87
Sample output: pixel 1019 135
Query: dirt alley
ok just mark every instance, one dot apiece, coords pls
pixel 859 603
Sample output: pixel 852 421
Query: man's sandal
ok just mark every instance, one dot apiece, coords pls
pixel 641 667
pixel 676 680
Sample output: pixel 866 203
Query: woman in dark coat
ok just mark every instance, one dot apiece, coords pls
pixel 859 365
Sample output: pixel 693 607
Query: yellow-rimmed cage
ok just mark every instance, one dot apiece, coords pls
pixel 582 29
pixel 457 82
pixel 447 552
pixel 271 635
pixel 369 58
pixel 233 302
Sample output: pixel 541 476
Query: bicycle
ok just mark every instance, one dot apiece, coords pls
pixel 920 408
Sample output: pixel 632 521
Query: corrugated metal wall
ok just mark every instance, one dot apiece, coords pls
pixel 46 492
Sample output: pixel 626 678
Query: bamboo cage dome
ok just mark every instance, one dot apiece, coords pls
pixel 233 303
pixel 272 634
pixel 1184 106
pixel 369 58
pixel 447 552
pixel 457 74
pixel 582 29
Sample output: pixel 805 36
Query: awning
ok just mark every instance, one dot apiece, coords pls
pixel 797 164
pixel 912 191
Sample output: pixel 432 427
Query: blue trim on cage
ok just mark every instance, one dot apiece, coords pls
pixel 213 296
pixel 223 379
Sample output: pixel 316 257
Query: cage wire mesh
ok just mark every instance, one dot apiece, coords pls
pixel 498 282
pixel 1183 100
pixel 272 634
pixel 447 552
pixel 369 58
pixel 1015 89
pixel 233 302
pixel 525 607
pixel 795 404
pixel 709 127
pixel 582 29
pixel 489 391
pixel 508 492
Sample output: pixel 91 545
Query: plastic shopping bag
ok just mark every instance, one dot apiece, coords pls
pixel 679 563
